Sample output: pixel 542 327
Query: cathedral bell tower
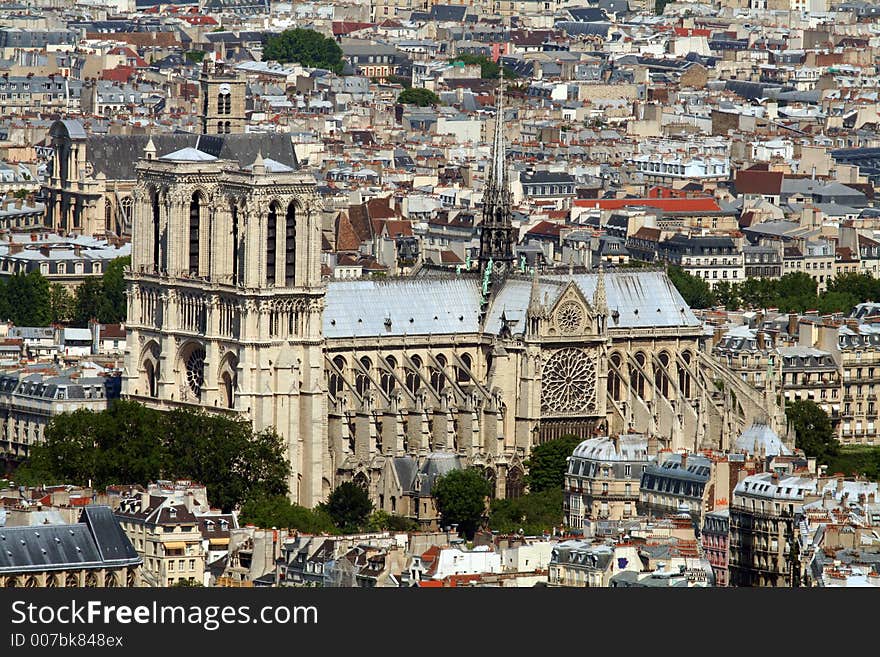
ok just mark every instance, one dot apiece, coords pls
pixel 225 299
pixel 497 237
pixel 222 94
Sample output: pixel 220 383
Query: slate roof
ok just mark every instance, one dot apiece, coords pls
pixel 116 155
pixel 96 541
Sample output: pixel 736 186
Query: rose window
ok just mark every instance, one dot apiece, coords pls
pixel 568 382
pixel 570 317
pixel 195 371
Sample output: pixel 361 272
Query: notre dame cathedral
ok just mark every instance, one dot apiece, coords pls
pixel 390 382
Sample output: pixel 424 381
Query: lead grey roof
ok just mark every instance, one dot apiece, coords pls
pixel 632 447
pixel 443 306
pixel 760 437
pixel 188 154
pixel 414 307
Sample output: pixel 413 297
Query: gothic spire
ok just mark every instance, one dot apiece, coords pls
pixel 497 237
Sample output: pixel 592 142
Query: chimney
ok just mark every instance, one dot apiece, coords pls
pixel 684 461
pixel 792 324
pixel 839 483
pixel 653 445
pixel 761 341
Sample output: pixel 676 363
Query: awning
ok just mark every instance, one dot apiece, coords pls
pixel 219 541
pixel 175 545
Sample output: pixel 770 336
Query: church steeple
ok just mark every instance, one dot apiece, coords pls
pixel 497 237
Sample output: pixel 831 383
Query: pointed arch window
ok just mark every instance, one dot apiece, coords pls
pixel 290 246
pixel 234 210
pixel 154 201
pixel 195 221
pixel 271 229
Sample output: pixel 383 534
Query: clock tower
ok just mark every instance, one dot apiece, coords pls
pixel 222 98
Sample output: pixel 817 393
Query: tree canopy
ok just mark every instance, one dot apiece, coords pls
pixel 534 513
pixel 306 47
pixel 695 291
pixel 813 430
pixel 488 68
pixel 30 300
pixel 131 444
pixel 547 463
pixel 460 496
pixel 348 506
pixel 277 511
pixel 418 96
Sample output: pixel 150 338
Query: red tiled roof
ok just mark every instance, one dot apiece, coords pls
pixel 118 74
pixel 692 31
pixel 665 204
pixel 200 20
pixel 347 239
pixel 112 331
pixel 346 27
pixel 545 228
pixel 647 233
pixel 449 258
pixel 759 182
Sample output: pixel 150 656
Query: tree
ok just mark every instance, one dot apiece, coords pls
pixel 727 295
pixel 349 505
pixel 131 444
pixel 695 291
pixel 113 308
pixel 460 496
pixel 547 463
pixel 863 287
pixel 836 302
pixel 812 429
pixel 27 299
pixel 186 583
pixel 380 520
pixel 61 304
pixel 87 301
pixel 488 68
pixel 416 96
pixel 306 47
pixel 534 513
pixel 277 511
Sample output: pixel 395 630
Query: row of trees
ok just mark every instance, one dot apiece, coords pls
pixel 131 444
pixel 793 292
pixel 30 300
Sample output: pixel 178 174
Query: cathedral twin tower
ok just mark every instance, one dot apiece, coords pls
pixel 225 295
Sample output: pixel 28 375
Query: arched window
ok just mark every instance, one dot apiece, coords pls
pixel 336 375
pixel 154 202
pixel 614 377
pixel 461 374
pixel 412 377
pixel 438 377
pixel 388 380
pixel 195 220
pixel 514 485
pixel 661 376
pixel 361 379
pixel 227 127
pixel 234 212
pixel 290 246
pixel 271 228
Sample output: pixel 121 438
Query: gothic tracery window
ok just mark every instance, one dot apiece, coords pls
pixel 570 318
pixel 195 371
pixel 569 382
